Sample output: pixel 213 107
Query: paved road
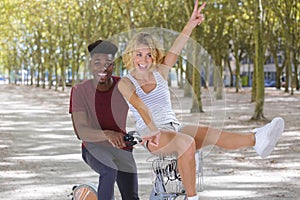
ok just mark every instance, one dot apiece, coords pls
pixel 40 156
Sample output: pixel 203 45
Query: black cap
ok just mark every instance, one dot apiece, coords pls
pixel 102 46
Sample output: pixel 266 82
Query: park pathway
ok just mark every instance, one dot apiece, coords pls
pixel 40 155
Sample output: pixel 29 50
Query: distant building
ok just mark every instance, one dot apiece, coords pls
pixel 247 68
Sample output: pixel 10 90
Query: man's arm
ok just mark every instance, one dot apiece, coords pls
pixel 89 134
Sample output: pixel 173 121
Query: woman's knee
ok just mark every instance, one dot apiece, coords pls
pixel 191 150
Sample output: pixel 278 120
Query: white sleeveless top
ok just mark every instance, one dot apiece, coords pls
pixel 158 101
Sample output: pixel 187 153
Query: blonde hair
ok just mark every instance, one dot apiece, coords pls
pixel 157 51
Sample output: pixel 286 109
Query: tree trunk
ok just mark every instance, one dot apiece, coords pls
pixel 180 75
pixel 287 70
pixel 259 66
pixel 278 68
pixel 196 82
pixel 230 71
pixel 188 80
pixel 237 71
pixel 218 80
pixel 295 62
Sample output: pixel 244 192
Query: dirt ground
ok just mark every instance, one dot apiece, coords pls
pixel 41 158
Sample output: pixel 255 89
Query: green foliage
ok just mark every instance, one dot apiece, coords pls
pixel 51 36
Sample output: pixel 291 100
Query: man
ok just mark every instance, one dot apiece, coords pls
pixel 99 115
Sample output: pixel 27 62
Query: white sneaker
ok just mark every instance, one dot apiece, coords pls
pixel 267 136
pixel 193 198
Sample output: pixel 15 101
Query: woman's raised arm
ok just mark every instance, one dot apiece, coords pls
pixel 196 19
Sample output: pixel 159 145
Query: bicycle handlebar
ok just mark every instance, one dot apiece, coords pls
pixel 132 138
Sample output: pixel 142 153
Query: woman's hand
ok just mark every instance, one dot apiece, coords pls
pixel 197 17
pixel 153 138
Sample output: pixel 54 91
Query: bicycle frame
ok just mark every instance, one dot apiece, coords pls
pixel 167 183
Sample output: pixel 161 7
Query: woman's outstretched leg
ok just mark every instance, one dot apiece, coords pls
pixel 184 146
pixel 262 139
pixel 205 136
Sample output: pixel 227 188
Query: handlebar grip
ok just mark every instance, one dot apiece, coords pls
pixel 131 133
pixel 129 140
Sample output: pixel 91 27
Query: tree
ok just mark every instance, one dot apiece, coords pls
pixel 287 15
pixel 259 62
pixel 274 37
pixel 216 39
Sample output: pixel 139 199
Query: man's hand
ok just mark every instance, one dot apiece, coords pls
pixel 115 138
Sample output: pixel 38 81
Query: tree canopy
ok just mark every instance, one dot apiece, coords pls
pixel 47 39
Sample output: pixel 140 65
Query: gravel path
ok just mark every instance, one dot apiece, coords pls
pixel 40 155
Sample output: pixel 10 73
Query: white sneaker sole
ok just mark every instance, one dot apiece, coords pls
pixel 275 132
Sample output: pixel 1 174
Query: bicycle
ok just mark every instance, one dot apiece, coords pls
pixel 167 183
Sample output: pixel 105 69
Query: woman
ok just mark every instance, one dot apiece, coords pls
pixel 146 90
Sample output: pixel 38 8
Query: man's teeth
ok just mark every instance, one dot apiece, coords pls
pixel 101 74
